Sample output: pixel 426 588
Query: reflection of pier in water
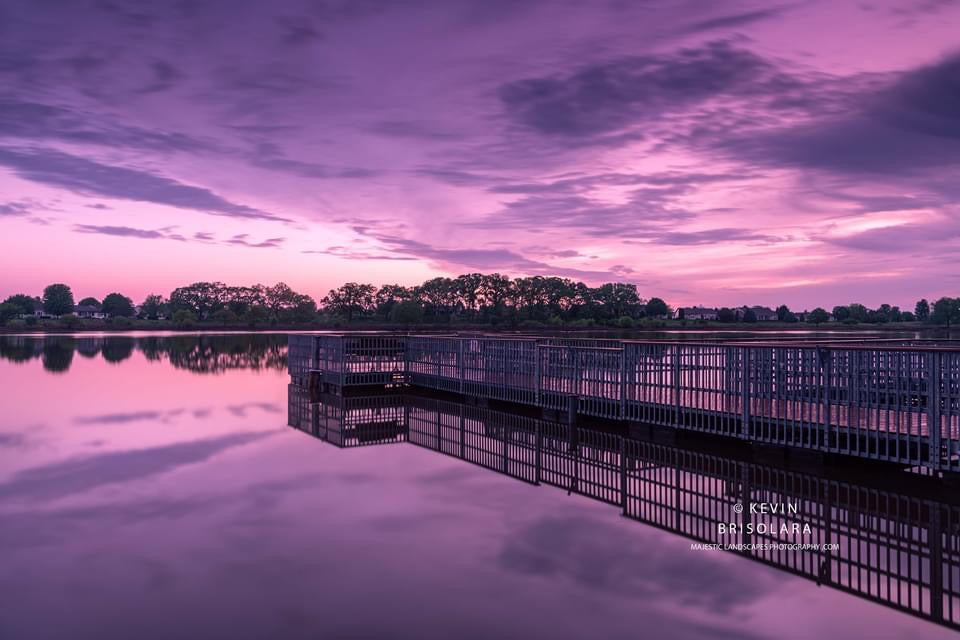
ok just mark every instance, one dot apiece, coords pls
pixel 898 403
pixel 899 547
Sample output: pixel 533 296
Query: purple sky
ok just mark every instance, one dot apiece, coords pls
pixel 710 152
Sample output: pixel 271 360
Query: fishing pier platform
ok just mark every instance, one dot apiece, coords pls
pixel 893 402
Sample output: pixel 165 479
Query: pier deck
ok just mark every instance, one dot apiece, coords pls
pixel 893 402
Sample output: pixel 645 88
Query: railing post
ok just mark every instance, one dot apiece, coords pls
pixel 823 355
pixel 623 382
pixel 539 447
pixel 463 435
pixel 623 475
pixel 934 533
pixel 536 373
pixel 933 409
pixel 745 392
pixel 460 367
pixel 676 385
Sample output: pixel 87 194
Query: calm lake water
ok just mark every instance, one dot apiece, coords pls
pixel 150 488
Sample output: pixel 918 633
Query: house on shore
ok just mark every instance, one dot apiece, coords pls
pixel 761 314
pixel 88 312
pixel 696 313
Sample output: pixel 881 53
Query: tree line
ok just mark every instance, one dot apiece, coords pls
pixel 476 298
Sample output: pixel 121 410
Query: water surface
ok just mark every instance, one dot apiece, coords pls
pixel 149 487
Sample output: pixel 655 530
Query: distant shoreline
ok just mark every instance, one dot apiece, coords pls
pixel 659 327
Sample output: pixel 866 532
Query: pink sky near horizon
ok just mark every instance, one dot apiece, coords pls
pixel 719 154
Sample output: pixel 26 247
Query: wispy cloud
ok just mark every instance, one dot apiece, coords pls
pixel 90 177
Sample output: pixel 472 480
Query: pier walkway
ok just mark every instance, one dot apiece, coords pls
pixel 893 402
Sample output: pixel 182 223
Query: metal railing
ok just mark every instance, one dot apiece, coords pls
pixel 899 403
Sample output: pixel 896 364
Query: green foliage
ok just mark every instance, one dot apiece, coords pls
pixel 625 322
pixel 256 316
pixel 224 316
pixel 16 323
pixel 656 308
pixel 30 321
pixel 407 312
pixel 57 299
pixel 8 312
pixel 69 321
pixel 153 306
pixel 121 322
pixel 184 318
pixel 89 301
pixel 818 316
pixel 117 305
pixel 785 315
pixel 946 311
pixel 23 302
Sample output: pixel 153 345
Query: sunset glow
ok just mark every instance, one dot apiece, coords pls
pixel 710 153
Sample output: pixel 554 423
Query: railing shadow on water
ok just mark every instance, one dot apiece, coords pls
pixel 211 353
pixel 899 548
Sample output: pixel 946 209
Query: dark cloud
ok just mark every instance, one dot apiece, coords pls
pixel 735 20
pixel 270 156
pixel 298 30
pixel 478 259
pixel 900 238
pixel 241 239
pixel 132 416
pixel 164 77
pixel 76 475
pixel 29 120
pixel 12 440
pixel 644 211
pixel 409 129
pixel 89 177
pixel 14 209
pixel 353 254
pixel 909 127
pixel 614 95
pixel 129 232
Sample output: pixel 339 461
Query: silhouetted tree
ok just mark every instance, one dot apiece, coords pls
pixel 152 307
pixel 946 311
pixel 57 299
pixel 657 308
pixel 117 305
pixel 407 312
pixel 726 314
pixel 922 310
pixel 23 302
pixel 351 299
pixel 785 315
pixel 818 316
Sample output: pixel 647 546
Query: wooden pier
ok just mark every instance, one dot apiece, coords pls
pixel 893 402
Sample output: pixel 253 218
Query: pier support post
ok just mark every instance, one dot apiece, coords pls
pixel 745 364
pixel 936 563
pixel 623 475
pixel 933 409
pixel 538 450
